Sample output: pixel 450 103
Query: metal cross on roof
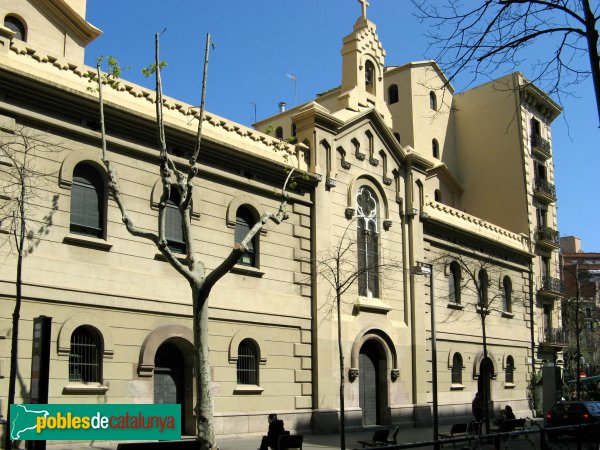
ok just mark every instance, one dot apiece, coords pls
pixel 365 5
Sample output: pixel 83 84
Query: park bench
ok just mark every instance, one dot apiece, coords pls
pixel 290 441
pixel 380 438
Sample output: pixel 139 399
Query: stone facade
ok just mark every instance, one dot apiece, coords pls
pixel 393 159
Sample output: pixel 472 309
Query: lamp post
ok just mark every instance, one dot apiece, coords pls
pixel 427 269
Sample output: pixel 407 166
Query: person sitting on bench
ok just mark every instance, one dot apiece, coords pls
pixel 275 430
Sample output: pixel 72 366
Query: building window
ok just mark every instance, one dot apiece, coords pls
pixel 507 294
pixel 85 357
pixel 367 243
pixel 397 136
pixel 244 221
pixel 435 148
pixel 457 364
pixel 87 201
pixel 454 283
pixel 393 94
pixel 174 223
pixel 279 133
pixel 247 362
pixel 437 195
pixel 15 25
pixel 432 101
pixel 536 129
pixel 483 288
pixel 510 368
pixel 370 77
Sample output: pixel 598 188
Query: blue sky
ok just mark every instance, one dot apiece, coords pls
pixel 258 43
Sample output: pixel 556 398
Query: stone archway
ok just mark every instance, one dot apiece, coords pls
pixel 373 383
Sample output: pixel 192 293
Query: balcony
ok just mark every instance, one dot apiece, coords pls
pixel 550 287
pixel 552 337
pixel 547 237
pixel 540 146
pixel 544 190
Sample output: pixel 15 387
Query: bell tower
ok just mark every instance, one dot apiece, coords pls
pixel 363 59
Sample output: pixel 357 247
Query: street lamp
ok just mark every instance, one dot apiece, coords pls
pixel 427 269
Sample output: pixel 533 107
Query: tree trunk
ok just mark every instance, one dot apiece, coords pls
pixel 204 405
pixel 592 41
pixel 16 312
pixel 342 370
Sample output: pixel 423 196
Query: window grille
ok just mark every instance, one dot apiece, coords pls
pixel 85 356
pixel 510 367
pixel 174 223
pixel 367 243
pixel 454 283
pixel 457 364
pixel 247 363
pixel 507 294
pixel 87 201
pixel 244 221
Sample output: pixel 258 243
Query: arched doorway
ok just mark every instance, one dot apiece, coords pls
pixel 486 372
pixel 372 382
pixel 172 382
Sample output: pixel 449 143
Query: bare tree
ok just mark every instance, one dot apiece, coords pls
pixel 20 184
pixel 474 277
pixel 192 269
pixel 581 321
pixel 340 267
pixel 487 35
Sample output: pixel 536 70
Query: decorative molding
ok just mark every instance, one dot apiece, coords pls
pixel 330 182
pixel 85 388
pixel 387 224
pixel 87 241
pixel 352 374
pixel 250 271
pixel 63 343
pixel 394 375
pixel 387 181
pixel 349 213
pixel 181 335
pixel 374 161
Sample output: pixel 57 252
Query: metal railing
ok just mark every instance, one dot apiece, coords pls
pixel 545 187
pixel 541 145
pixel 550 284
pixel 548 235
pixel 552 336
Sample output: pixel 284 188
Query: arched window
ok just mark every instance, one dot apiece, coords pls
pixel 437 195
pixel 454 283
pixel 483 288
pixel 509 369
pixel 85 357
pixel 244 221
pixel 279 133
pixel 247 362
pixel 87 201
pixel 370 77
pixel 397 136
pixel 174 223
pixel 393 94
pixel 435 148
pixel 14 24
pixel 367 242
pixel 457 365
pixel 507 294
pixel 432 101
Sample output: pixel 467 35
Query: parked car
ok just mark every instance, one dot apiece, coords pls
pixel 565 414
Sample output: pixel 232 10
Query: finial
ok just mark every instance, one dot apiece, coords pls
pixel 365 5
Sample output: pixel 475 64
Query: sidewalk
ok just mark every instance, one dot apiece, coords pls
pixel 311 442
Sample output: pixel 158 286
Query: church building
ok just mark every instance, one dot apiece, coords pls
pixel 438 206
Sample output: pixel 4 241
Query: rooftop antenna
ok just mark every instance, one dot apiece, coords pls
pixel 253 103
pixel 294 78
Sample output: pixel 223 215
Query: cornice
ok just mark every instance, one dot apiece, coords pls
pixel 77 24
